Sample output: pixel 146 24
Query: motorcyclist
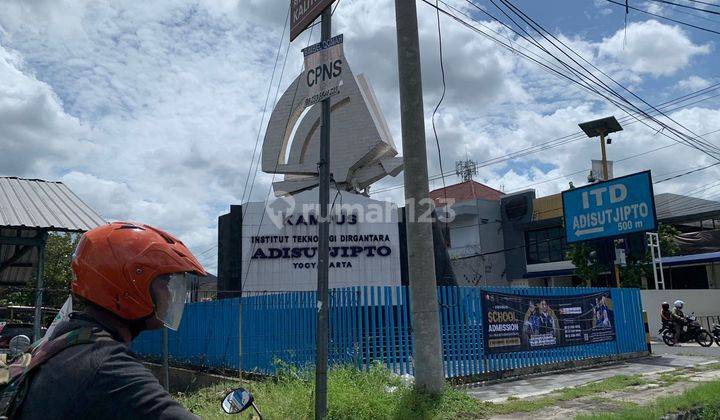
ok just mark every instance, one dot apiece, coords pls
pixel 131 277
pixel 666 315
pixel 679 320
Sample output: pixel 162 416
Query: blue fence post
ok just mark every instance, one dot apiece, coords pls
pixel 372 323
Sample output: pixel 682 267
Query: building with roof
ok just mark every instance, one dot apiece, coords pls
pixel 464 191
pixel 474 234
pixel 519 239
pixel 29 210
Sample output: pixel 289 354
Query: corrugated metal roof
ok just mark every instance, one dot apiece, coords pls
pixel 675 206
pixel 35 203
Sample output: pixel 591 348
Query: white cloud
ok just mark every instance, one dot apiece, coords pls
pixel 36 132
pixel 693 83
pixel 652 48
pixel 603 7
pixel 653 7
pixel 149 110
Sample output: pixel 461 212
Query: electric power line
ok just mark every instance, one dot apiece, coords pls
pixel 585 169
pixel 596 80
pixel 277 161
pixel 687 6
pixel 444 88
pixel 262 117
pixel 663 17
pixel 563 140
pixel 581 83
pixel 687 173
pixel 703 2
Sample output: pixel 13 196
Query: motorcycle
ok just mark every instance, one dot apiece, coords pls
pixel 716 333
pixel 695 332
pixel 238 400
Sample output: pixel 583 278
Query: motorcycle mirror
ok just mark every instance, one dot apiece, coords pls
pixel 237 401
pixel 19 344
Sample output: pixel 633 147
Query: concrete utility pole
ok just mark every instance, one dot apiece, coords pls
pixel 321 361
pixel 606 173
pixel 421 258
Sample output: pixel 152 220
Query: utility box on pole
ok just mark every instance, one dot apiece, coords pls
pixel 421 259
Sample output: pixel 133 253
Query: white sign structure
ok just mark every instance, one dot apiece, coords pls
pixel 279 244
pixel 324 64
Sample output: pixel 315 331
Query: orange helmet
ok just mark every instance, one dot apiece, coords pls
pixel 114 266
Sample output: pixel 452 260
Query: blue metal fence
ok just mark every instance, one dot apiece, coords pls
pixel 369 324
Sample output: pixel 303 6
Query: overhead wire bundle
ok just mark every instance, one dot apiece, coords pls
pixel 577 73
pixel 601 84
pixel 701 95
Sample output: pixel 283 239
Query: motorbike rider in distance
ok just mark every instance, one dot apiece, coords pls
pixel 678 319
pixel 666 315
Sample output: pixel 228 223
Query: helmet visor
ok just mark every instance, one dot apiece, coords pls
pixel 168 293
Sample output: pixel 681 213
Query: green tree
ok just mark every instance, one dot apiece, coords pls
pixel 667 234
pixel 585 261
pixel 634 271
pixel 639 268
pixel 58 274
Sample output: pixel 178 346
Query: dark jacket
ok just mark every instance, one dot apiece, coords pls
pixel 666 316
pixel 678 316
pixel 102 380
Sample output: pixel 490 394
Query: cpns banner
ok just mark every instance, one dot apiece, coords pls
pixel 522 323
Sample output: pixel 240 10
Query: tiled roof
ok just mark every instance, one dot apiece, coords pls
pixel 464 191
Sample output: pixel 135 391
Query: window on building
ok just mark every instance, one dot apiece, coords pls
pixel 545 245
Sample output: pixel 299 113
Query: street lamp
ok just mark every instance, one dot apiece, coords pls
pixel 602 128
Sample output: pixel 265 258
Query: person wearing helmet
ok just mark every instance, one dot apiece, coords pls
pixel 679 319
pixel 665 314
pixel 131 277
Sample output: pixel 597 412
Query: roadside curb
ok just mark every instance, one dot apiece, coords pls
pixel 188 380
pixel 548 369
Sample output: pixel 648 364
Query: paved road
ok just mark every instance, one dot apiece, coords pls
pixel 687 349
pixel 545 384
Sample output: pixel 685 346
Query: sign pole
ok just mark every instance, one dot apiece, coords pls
pixel 165 362
pixel 323 247
pixel 424 315
pixel 606 175
pixel 37 323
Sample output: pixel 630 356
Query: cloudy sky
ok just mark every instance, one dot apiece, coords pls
pixel 150 110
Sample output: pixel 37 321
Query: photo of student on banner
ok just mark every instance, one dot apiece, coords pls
pixel 540 325
pixel 602 318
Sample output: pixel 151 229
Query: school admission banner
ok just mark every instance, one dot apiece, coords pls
pixel 522 323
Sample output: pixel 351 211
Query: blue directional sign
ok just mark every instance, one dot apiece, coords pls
pixel 616 207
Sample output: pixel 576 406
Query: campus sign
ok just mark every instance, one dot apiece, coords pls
pixel 303 13
pixel 612 208
pixel 522 323
pixel 279 245
pixel 323 69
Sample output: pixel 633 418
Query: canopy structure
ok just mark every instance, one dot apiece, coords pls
pixel 29 209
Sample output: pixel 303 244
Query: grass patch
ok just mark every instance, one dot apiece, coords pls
pixel 351 395
pixel 669 378
pixel 705 395
pixel 376 394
